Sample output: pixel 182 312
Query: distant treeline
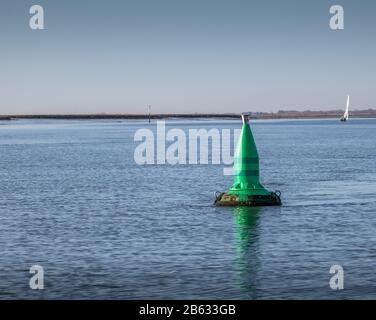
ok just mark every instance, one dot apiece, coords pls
pixel 369 113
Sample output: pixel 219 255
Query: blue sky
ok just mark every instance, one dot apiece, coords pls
pixel 185 56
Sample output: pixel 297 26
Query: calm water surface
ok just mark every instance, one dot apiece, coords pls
pixel 73 200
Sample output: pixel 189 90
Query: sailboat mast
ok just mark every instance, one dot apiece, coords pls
pixel 345 116
pixel 347 108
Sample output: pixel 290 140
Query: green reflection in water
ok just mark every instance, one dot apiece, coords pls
pixel 246 232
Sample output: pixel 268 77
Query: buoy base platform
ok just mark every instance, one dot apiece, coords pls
pixel 223 199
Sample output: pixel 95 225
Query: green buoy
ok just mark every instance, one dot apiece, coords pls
pixel 247 189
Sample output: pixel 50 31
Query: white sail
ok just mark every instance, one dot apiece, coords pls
pixel 345 116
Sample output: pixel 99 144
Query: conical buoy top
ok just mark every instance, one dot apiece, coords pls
pixel 247 189
pixel 246 164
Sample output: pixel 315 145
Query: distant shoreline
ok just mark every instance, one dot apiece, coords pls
pixel 370 113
